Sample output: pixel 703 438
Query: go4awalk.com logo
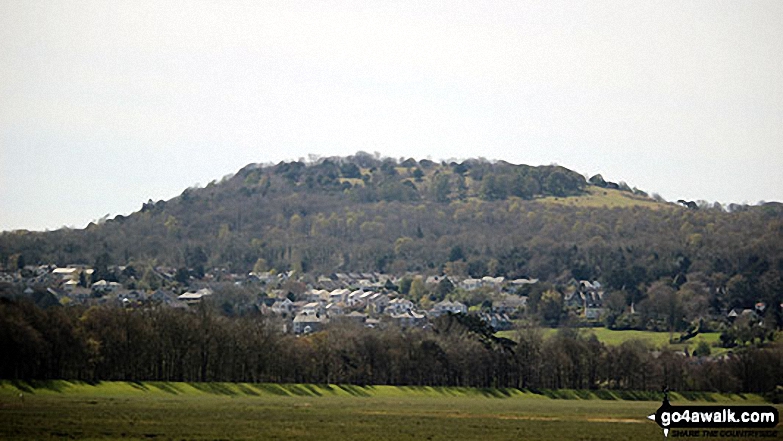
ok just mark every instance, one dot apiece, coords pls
pixel 743 421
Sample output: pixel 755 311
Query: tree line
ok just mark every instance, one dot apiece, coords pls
pixel 164 344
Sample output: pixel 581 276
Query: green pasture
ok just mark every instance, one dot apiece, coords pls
pixel 655 339
pixel 227 411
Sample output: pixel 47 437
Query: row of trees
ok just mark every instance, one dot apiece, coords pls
pixel 174 345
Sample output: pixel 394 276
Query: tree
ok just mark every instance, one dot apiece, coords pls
pixel 350 170
pixel 550 307
pixel 441 188
pixel 418 289
pixel 445 287
pixel 664 303
pixel 702 349
pixel 405 285
pixel 260 266
pixel 598 181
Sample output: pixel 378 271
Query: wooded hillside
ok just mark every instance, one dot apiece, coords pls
pixel 477 218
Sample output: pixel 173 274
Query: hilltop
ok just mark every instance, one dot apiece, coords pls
pixel 472 218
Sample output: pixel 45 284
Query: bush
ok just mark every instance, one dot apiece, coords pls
pixel 702 349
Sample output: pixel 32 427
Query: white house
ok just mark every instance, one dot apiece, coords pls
pixel 312 308
pixel 494 282
pixel 470 284
pixel 339 296
pixel 195 297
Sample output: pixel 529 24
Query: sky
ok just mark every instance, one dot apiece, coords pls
pixel 105 105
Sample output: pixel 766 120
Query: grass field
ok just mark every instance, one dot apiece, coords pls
pixel 655 339
pixel 207 411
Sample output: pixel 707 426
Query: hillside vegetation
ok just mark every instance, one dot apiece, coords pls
pixel 366 214
pixel 474 218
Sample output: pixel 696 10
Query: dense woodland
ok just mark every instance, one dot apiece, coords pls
pixel 165 344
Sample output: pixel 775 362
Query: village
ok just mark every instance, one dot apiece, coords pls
pixel 305 303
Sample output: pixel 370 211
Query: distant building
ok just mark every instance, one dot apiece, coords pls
pixel 446 307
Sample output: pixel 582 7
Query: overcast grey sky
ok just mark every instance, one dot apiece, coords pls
pixel 106 104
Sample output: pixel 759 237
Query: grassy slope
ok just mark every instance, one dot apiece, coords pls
pixel 120 410
pixel 605 197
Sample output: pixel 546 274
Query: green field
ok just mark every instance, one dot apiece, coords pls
pixel 207 411
pixel 655 339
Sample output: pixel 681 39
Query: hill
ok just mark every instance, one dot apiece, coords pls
pixel 474 218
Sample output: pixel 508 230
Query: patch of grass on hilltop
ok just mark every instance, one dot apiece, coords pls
pixel 597 197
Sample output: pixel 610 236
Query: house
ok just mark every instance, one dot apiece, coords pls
pixel 409 319
pixel 339 296
pixel 306 323
pixel 281 307
pixel 335 309
pixel 365 283
pixel 511 304
pixel 498 322
pixel 312 308
pixel 446 307
pixel 343 279
pixel 378 302
pixel 575 300
pixel 364 299
pixel 737 312
pixel 66 273
pixel 588 302
pixel 470 284
pixel 399 306
pixel 354 298
pixel 493 282
pixel 519 285
pixel 265 277
pixel 594 313
pixel 317 295
pixel 195 297
pixel 103 286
